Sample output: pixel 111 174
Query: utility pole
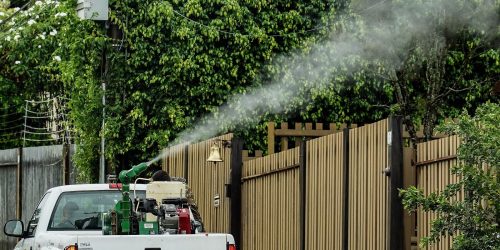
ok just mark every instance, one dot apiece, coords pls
pixel 97 10
pixel 102 161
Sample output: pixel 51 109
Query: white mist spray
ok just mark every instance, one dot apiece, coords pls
pixel 388 29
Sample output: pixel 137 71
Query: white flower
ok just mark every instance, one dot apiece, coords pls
pixel 53 32
pixel 17 62
pixel 36 17
pixel 7 38
pixel 57 58
pixel 2 14
pixel 31 22
pixel 1 21
pixel 61 14
pixel 16 37
pixel 60 44
pixel 39 46
pixel 42 36
pixel 38 3
pixel 20 28
pixel 17 9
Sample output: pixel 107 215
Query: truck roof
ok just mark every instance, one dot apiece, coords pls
pixel 86 187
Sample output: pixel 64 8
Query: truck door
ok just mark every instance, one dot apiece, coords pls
pixel 28 242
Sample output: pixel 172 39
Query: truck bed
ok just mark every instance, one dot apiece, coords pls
pixel 154 242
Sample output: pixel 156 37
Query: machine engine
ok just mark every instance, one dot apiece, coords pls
pixel 165 210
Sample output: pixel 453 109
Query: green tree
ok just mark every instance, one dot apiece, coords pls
pixel 47 51
pixel 473 221
pixel 186 58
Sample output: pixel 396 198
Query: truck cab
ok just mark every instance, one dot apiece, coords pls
pixel 71 217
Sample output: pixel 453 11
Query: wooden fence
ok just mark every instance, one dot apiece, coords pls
pixel 434 162
pixel 271 202
pixel 369 187
pixel 25 175
pixel 339 191
pixel 280 135
pixel 325 192
pixel 206 180
pixel 331 193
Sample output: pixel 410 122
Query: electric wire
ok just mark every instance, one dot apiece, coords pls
pixel 44 117
pixel 319 27
pixel 9 114
pixel 11 134
pixel 52 164
pixel 10 140
pixel 42 140
pixel 10 128
pixel 16 12
pixel 31 127
pixel 12 121
pixel 43 101
pixel 5 108
pixel 43 133
pixel 38 113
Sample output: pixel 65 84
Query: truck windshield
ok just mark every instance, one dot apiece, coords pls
pixel 82 210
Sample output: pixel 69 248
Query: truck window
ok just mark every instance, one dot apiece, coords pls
pixel 36 215
pixel 82 210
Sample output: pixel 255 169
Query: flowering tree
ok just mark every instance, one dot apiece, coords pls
pixel 35 42
pixel 47 51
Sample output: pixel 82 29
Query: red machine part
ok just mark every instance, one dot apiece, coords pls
pixel 184 221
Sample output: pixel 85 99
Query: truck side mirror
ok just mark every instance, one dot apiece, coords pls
pixel 14 228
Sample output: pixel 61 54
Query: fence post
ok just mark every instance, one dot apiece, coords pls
pixel 270 138
pixel 345 213
pixel 65 161
pixel 236 171
pixel 302 190
pixel 186 162
pixel 19 186
pixel 395 144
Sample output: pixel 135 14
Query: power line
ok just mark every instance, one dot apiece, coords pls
pixel 16 13
pixel 52 164
pixel 44 117
pixel 10 128
pixel 43 101
pixel 234 34
pixel 39 113
pixel 272 35
pixel 12 121
pixel 27 126
pixel 10 114
pixel 10 134
pixel 43 133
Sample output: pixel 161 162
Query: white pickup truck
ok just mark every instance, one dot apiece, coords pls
pixel 48 228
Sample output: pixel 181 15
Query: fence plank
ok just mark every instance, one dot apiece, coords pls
pixel 434 162
pixel 277 191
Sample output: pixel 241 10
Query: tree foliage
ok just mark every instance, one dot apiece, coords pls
pixel 473 221
pixel 178 61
